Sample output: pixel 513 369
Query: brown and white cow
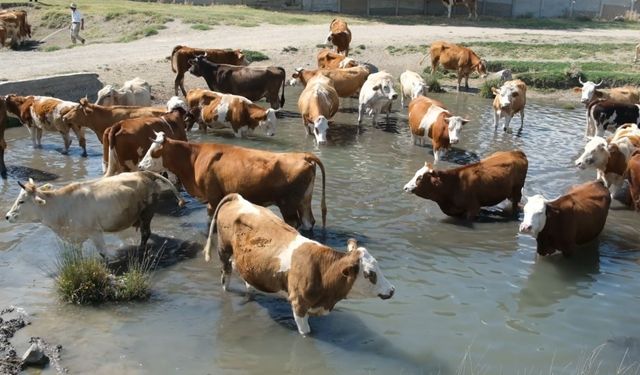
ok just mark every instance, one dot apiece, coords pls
pixel 134 92
pixel 3 144
pixel 472 6
pixel 590 91
pixel 209 171
pixel 327 59
pixel 429 118
pixel 254 83
pixel 196 99
pixel 125 143
pixel 610 157
pixel 462 191
pixel 84 210
pixel 412 85
pixel 239 114
pixel 273 257
pixel 181 55
pixel 454 57
pixel 376 96
pixel 39 113
pixel 339 36
pixel 99 118
pixel 573 219
pixel 633 176
pixel 510 99
pixel 317 103
pixel 15 26
pixel 346 81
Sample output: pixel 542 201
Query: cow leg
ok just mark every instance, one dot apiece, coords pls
pixel 3 167
pixel 507 121
pixel 521 118
pixel 33 133
pixel 496 119
pixel 38 138
pixel 79 132
pixel 98 241
pixel 360 112
pixel 301 317
pixel 145 225
pixel 225 254
pixel 466 82
pixel 67 142
pixel 304 212
pixel 289 213
pixel 459 80
pixel 516 197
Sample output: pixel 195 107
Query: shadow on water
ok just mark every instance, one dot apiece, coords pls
pixel 344 134
pixel 390 126
pixel 334 237
pixel 22 173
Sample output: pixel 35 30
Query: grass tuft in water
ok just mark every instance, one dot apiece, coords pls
pixel 433 83
pixel 485 88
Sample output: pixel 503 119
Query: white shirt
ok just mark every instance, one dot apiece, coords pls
pixel 76 16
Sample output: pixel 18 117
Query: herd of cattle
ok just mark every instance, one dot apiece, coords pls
pixel 141 142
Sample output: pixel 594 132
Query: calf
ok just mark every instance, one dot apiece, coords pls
pixel 607 114
pixel 318 103
pixel 126 142
pixel 339 36
pixel 135 92
pixel 254 83
pixel 633 176
pixel 271 256
pixel 572 219
pixel 412 85
pixel 472 6
pixel 196 99
pixel 328 59
pixel 210 171
pixel 84 210
pixel 181 55
pixel 98 118
pixel 462 191
pixel 40 113
pixel 347 81
pixel 510 99
pixel 454 57
pixel 590 92
pixel 239 114
pixel 376 96
pixel 3 144
pixel 430 118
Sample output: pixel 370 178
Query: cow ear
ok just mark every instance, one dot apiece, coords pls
pixel 352 244
pixel 351 270
pixel 494 91
pixel 376 87
pixel 22 186
pixel 447 119
pixel 429 166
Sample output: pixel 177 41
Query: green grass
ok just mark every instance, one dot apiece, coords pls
pixel 52 48
pixel 255 55
pixel 55 19
pixel 407 49
pixel 560 51
pixel 485 88
pixel 200 26
pixel 85 279
pixel 432 83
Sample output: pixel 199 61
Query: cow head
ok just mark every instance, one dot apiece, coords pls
pixel 481 68
pixel 25 206
pixel 296 77
pixel 348 62
pixel 369 280
pixel 535 215
pixel 152 160
pixel 507 94
pixel 385 88
pixel 454 124
pixel 241 58
pixel 319 129
pixel 106 96
pixel 269 122
pixel 418 88
pixel 197 65
pixel 77 112
pixel 423 173
pixel 595 155
pixel 588 90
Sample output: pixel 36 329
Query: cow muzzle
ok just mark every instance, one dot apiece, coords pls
pixel 409 188
pixel 525 228
pixel 454 141
pixel 389 295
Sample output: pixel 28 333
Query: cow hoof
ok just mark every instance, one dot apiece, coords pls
pixel 63 152
pixel 84 154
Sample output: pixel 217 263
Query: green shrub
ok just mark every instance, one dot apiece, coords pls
pixel 254 55
pixel 200 26
pixel 485 88
pixel 433 84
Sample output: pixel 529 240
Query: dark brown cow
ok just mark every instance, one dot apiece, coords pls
pixel 272 257
pixel 181 55
pixel 462 191
pixel 254 83
pixel 633 176
pixel 3 144
pixel 454 57
pixel 572 219
pixel 339 36
pixel 210 171
pixel 126 142
pixel 327 59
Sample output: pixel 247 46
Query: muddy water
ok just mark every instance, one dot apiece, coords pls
pixel 475 290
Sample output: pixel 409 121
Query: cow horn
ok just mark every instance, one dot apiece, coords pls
pixel 22 186
pixel 598 84
pixel 580 80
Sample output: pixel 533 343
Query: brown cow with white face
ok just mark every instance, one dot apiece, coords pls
pixel 181 55
pixel 510 100
pixel 454 57
pixel 209 171
pixel 239 114
pixel 339 36
pixel 573 219
pixel 271 256
pixel 462 191
pixel 347 81
pixel 429 118
pixel 328 59
pixel 317 103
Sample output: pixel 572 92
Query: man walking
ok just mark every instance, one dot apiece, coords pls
pixel 77 24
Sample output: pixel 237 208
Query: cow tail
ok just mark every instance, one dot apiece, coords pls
pixel 155 177
pixel 284 81
pixel 174 63
pixel 109 149
pixel 323 203
pixel 212 227
pixel 424 58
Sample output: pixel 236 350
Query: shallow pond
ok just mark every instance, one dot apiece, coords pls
pixel 468 296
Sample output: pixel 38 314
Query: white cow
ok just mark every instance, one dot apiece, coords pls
pixel 411 85
pixel 84 210
pixel 136 92
pixel 376 96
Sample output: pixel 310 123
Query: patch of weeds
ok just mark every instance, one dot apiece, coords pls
pixel 361 46
pixel 51 48
pixel 289 49
pixel 485 88
pixel 568 106
pixel 200 26
pixel 406 50
pixel 112 15
pixel 254 55
pixel 55 19
pixel 433 84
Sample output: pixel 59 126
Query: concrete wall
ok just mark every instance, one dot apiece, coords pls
pixel 67 86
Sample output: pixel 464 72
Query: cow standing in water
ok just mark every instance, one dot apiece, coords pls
pixel 510 100
pixel 460 59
